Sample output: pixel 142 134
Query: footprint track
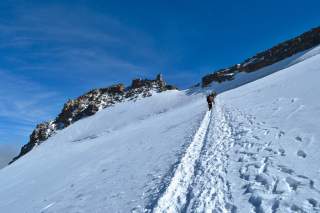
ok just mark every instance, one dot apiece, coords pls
pixel 301 154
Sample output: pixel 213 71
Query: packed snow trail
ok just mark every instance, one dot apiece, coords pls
pixel 236 163
pixel 257 152
pixel 261 148
pixel 175 197
pixel 210 190
pixel 199 183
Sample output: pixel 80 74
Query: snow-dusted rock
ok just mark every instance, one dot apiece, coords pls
pixel 90 103
pixel 273 55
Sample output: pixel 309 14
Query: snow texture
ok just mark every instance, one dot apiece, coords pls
pixel 256 151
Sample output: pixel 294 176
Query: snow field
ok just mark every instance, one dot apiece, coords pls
pixel 257 151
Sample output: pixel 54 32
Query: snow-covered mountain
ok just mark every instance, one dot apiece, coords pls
pixel 256 151
pixel 90 103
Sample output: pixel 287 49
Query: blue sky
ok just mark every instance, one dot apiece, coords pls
pixel 54 50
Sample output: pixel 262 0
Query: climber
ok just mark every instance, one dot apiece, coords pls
pixel 210 99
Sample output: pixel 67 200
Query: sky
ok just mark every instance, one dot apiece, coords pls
pixel 51 51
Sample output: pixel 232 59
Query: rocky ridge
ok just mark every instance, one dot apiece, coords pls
pixel 90 103
pixel 277 53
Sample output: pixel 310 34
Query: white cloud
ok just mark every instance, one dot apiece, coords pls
pixel 54 33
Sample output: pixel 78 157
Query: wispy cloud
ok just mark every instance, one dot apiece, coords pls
pixel 23 99
pixel 81 41
pixel 49 54
pixel 23 103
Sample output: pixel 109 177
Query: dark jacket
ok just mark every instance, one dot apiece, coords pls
pixel 210 98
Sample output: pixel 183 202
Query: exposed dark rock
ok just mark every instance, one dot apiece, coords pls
pixel 90 103
pixel 162 83
pixel 39 134
pixel 170 87
pixel 115 89
pixel 136 83
pixel 277 53
pixel 219 76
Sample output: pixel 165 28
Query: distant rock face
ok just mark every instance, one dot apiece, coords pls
pixel 275 54
pixel 90 103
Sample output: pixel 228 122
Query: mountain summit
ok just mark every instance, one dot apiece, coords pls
pixel 90 103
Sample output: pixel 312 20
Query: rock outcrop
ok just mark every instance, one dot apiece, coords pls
pixel 90 103
pixel 277 53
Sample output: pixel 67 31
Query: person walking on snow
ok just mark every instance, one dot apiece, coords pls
pixel 210 100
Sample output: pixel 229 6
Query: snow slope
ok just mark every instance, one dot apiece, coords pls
pixel 260 151
pixel 257 151
pixel 114 161
pixel 276 127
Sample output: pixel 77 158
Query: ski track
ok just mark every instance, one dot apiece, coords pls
pixel 232 153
